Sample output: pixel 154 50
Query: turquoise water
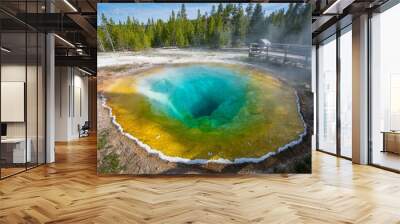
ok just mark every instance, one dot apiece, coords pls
pixel 199 96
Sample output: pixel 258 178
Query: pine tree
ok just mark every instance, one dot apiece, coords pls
pixel 220 9
pixel 256 24
pixel 211 31
pixel 213 11
pixel 183 12
pixel 218 35
pixel 249 10
pixel 239 26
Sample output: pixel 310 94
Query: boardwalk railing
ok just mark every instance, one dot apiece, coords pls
pixel 290 54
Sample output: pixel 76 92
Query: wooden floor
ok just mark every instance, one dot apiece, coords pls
pixel 69 191
pixel 5 172
pixel 387 159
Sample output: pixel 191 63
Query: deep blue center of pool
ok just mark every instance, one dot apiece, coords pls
pixel 198 95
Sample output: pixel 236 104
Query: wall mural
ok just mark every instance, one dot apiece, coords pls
pixel 204 88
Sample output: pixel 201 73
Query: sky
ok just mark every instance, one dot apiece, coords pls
pixel 144 11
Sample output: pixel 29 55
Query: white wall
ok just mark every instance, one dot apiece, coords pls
pixel 80 109
pixel 61 103
pixel 12 73
pixel 33 126
pixel 16 73
pixel 71 102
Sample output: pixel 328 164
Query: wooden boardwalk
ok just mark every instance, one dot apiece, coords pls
pixel 286 54
pixel 69 191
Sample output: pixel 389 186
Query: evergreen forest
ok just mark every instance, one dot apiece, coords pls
pixel 224 26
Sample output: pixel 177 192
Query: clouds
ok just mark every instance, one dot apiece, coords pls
pixel 143 11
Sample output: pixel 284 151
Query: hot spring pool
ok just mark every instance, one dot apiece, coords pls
pixel 200 97
pixel 201 112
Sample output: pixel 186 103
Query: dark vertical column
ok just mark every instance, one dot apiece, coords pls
pixel 317 97
pixel 1 164
pixel 338 76
pixel 369 62
pixel 26 86
pixel 69 91
pixel 45 95
pixel 73 92
pixel 37 87
pixel 45 90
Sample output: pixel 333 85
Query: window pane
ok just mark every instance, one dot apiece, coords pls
pixel 327 96
pixel 14 153
pixel 31 97
pixel 346 94
pixel 385 86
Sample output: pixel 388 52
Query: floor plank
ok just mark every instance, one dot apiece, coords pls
pixel 69 191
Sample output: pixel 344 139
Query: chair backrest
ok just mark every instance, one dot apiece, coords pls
pixel 86 125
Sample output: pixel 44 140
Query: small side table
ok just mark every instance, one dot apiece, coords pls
pixel 391 141
pixel 16 153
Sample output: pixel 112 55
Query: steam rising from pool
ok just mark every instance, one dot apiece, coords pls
pixel 198 96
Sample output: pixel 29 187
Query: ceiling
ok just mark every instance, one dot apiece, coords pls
pixel 331 15
pixel 75 21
